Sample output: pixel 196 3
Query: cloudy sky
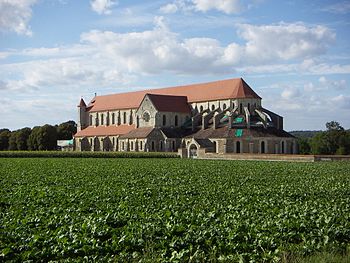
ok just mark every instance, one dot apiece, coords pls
pixel 294 54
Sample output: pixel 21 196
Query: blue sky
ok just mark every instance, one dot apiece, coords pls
pixel 294 54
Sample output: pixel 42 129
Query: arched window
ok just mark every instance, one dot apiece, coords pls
pixel 262 147
pixel 201 108
pixel 102 119
pixel 224 106
pixel 164 120
pixel 238 147
pixel 124 117
pixel 90 120
pixel 213 107
pixel 176 121
pixel 113 118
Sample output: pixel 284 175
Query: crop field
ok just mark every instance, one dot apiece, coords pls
pixel 171 210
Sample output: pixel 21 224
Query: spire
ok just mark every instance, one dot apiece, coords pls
pixel 82 103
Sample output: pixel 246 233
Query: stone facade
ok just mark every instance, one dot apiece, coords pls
pixel 231 124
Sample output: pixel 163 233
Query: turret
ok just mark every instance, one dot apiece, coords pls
pixel 82 115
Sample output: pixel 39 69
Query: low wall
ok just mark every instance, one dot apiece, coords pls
pixel 275 157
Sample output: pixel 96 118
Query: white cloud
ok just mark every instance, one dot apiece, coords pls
pixel 285 41
pixel 290 93
pixel 169 8
pixel 15 15
pixel 338 8
pixel 105 58
pixel 341 101
pixel 103 7
pixel 226 6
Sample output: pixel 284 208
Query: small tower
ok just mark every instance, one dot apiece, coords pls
pixel 82 119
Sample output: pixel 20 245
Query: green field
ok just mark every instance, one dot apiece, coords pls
pixel 161 210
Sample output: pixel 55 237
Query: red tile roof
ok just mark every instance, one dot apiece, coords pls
pixel 104 130
pixel 217 90
pixel 168 103
pixel 142 132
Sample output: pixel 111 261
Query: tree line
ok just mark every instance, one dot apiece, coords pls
pixel 335 140
pixel 40 138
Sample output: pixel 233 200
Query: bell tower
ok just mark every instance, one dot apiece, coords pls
pixel 82 118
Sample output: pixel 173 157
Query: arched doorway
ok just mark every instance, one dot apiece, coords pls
pixel 262 147
pixel 192 151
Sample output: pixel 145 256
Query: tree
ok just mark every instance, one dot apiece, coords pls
pixel 335 140
pixel 334 126
pixel 304 145
pixel 22 138
pixel 13 141
pixel 33 140
pixel 319 144
pixel 66 130
pixel 47 138
pixel 4 139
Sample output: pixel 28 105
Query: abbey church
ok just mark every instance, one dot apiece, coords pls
pixel 221 117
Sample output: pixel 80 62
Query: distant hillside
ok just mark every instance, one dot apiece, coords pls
pixel 304 134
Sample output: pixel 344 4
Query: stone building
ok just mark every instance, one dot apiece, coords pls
pixel 220 117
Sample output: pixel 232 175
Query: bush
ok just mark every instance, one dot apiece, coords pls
pixel 58 154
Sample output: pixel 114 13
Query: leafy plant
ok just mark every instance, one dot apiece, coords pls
pixel 170 210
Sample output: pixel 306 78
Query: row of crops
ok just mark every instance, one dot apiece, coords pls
pixel 161 210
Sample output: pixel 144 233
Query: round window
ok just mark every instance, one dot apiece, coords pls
pixel 146 116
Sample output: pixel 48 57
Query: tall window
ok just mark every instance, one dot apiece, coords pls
pixel 140 145
pixel 224 106
pixel 213 107
pixel 174 145
pixel 101 119
pixel 176 121
pixel 131 119
pixel 131 145
pixel 262 147
pixel 238 147
pixel 240 108
pixel 201 108
pixel 123 146
pixel 282 146
pixel 90 120
pixel 249 106
pixel 152 146
pixel 113 118
pixel 161 145
pixel 124 117
pixel 164 120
